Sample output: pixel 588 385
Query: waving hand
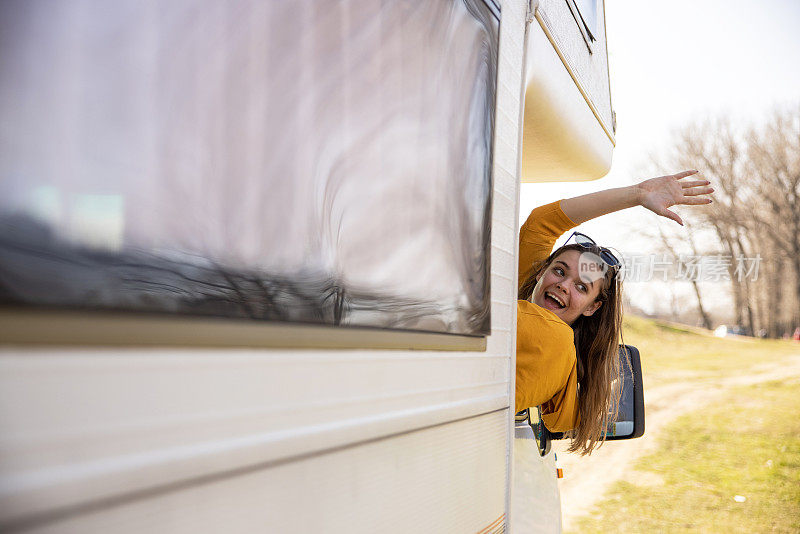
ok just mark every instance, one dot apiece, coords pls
pixel 658 194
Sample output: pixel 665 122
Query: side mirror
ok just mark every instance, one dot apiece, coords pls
pixel 629 420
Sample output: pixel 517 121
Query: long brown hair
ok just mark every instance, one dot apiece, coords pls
pixel 597 339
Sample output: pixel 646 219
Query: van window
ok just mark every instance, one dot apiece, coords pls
pixel 305 162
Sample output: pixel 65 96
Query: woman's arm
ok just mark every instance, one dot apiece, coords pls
pixel 656 194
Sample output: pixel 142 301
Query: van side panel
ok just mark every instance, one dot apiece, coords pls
pixel 200 440
pixel 415 482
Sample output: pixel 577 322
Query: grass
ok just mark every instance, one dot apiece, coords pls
pixel 746 445
pixel 671 352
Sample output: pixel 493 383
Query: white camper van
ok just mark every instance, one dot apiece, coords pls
pixel 258 259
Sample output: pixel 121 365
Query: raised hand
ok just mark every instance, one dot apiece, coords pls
pixel 658 194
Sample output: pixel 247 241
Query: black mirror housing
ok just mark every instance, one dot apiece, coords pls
pixel 628 423
pixel 629 420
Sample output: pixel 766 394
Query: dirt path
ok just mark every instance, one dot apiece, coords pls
pixel 586 479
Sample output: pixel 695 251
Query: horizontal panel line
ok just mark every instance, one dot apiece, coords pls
pixel 505 225
pixel 505 195
pixel 505 252
pixel 77 485
pixel 504 277
pixel 211 418
pixel 28 357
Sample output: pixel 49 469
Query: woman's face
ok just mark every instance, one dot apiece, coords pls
pixel 568 286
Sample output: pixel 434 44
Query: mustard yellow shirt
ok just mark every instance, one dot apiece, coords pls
pixel 546 360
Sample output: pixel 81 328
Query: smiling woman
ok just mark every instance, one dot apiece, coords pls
pixel 565 271
pixel 569 312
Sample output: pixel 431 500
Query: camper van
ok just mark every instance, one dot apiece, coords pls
pixel 258 259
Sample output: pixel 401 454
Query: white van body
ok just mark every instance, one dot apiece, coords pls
pixel 304 430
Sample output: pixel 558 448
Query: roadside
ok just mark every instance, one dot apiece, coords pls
pixel 587 479
pixel 733 466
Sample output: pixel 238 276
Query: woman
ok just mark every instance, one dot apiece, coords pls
pixel 569 312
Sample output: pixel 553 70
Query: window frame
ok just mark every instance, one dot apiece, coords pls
pixel 587 33
pixel 43 324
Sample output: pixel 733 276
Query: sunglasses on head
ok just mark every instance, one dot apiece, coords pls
pixel 586 242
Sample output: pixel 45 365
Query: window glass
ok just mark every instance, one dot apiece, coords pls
pixel 586 11
pixel 305 161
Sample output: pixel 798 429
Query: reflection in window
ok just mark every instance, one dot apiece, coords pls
pixel 287 161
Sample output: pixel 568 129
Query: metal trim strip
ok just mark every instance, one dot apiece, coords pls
pixel 541 18
pixel 47 327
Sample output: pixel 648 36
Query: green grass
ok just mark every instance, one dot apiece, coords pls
pixel 670 352
pixel 747 444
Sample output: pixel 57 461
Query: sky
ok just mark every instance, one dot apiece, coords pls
pixel 671 63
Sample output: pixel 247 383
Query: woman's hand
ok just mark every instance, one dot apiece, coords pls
pixel 658 194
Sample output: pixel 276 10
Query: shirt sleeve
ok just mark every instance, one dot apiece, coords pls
pixel 560 413
pixel 543 379
pixel 546 367
pixel 538 234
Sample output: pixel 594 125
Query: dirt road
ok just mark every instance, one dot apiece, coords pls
pixel 586 479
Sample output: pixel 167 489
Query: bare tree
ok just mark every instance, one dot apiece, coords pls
pixel 774 158
pixel 668 244
pixel 716 148
pixel 755 214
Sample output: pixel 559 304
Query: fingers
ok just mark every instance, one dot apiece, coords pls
pixel 694 183
pixel 695 201
pixel 684 174
pixel 693 192
pixel 672 215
